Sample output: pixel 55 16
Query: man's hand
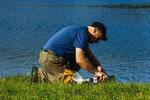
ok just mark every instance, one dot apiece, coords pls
pixel 101 75
pixel 99 68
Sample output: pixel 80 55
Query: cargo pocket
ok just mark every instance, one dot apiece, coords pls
pixel 43 57
pixel 56 60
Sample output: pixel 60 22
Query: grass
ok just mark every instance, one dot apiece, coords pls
pixel 19 87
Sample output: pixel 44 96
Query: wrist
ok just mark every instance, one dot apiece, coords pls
pixel 99 68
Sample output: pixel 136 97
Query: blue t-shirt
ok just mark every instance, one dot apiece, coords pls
pixel 63 43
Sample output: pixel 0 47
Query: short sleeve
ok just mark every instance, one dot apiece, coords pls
pixel 81 40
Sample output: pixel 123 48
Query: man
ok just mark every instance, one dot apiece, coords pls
pixel 67 51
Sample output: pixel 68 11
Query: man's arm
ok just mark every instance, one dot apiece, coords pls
pixel 93 60
pixel 81 60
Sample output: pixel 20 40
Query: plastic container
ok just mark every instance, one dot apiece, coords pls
pixel 78 78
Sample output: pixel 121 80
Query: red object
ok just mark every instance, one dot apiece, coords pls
pixel 94 79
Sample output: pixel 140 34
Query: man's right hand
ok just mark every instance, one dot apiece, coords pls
pixel 100 68
pixel 101 75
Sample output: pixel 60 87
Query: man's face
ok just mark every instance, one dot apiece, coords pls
pixel 95 36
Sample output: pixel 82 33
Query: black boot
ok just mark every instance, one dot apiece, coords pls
pixel 34 74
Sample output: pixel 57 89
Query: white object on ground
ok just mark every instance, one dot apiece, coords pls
pixel 78 78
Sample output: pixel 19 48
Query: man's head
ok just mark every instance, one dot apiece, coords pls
pixel 97 32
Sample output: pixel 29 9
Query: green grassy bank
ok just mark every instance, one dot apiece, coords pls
pixel 20 88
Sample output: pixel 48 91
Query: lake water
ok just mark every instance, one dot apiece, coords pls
pixel 25 26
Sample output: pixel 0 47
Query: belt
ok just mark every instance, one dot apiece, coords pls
pixel 49 51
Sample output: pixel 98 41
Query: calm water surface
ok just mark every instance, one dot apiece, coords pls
pixel 26 26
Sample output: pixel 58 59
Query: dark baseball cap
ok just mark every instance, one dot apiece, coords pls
pixel 102 28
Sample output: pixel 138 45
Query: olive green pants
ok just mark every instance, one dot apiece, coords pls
pixel 53 67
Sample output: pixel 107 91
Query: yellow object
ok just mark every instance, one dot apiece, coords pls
pixel 67 77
